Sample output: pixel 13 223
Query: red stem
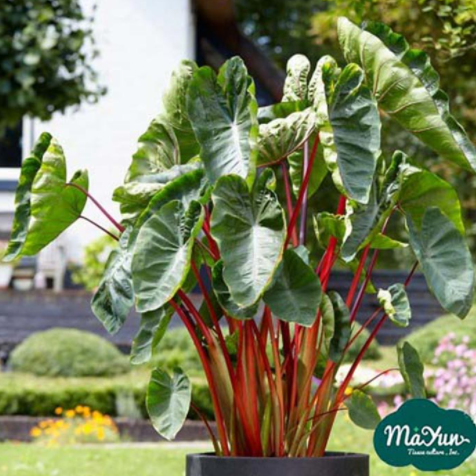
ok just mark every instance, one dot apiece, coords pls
pixel 103 210
pixel 97 225
pixel 289 199
pixel 208 372
pixel 304 185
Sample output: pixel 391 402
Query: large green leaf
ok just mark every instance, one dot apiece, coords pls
pixel 21 220
pixel 342 328
pixel 295 294
pixel 250 231
pixel 281 137
pixel 135 196
pixel 349 127
pixel 421 189
pixel 296 170
pixel 362 410
pixel 153 326
pixel 411 369
pixel 295 85
pixel 168 401
pixel 407 88
pixel 157 151
pixel 445 259
pixel 114 296
pixel 187 187
pixel 162 254
pixel 413 189
pixel 54 206
pixel 175 109
pixel 224 298
pixel 223 112
pixel 396 304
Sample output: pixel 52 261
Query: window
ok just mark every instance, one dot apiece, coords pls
pixel 10 148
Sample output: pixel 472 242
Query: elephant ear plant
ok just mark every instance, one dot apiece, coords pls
pixel 200 208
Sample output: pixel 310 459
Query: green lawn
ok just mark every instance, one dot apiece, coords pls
pixel 166 460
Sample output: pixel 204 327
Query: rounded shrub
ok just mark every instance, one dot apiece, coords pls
pixel 68 353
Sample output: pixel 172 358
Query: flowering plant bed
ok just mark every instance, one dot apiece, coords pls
pixel 217 197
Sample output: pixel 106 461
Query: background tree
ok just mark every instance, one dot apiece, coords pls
pixel 46 49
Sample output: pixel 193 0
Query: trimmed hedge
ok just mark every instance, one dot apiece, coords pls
pixel 426 338
pixel 68 353
pixel 22 394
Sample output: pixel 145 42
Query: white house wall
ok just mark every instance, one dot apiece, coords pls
pixel 141 42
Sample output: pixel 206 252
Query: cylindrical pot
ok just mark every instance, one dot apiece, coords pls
pixel 332 464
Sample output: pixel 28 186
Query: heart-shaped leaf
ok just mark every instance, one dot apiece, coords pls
pixel 395 303
pixel 223 112
pixel 349 126
pixel 175 110
pixel 295 295
pixel 168 401
pixel 362 410
pixel 114 296
pixel 281 137
pixel 411 369
pixel 153 326
pixel 135 196
pixel 445 259
pixel 407 88
pixel 250 231
pixel 224 298
pixel 21 220
pixel 52 206
pixel 162 254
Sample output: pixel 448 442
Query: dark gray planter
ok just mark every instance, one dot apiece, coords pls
pixel 333 464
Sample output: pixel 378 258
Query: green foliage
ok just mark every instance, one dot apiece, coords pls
pixel 426 338
pixel 46 49
pixel 68 353
pixel 362 410
pixel 411 369
pixel 95 255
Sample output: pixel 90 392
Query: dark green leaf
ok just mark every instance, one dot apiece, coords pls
pixel 250 231
pixel 168 401
pixel 362 410
pixel 395 303
pixel 296 293
pixel 281 137
pixel 162 253
pixel 153 326
pixel 223 112
pixel 407 88
pixel 279 110
pixel 349 126
pixel 114 297
pixel 411 369
pixel 445 259
pixel 224 298
pixel 341 327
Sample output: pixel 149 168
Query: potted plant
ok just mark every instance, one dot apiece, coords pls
pixel 200 206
